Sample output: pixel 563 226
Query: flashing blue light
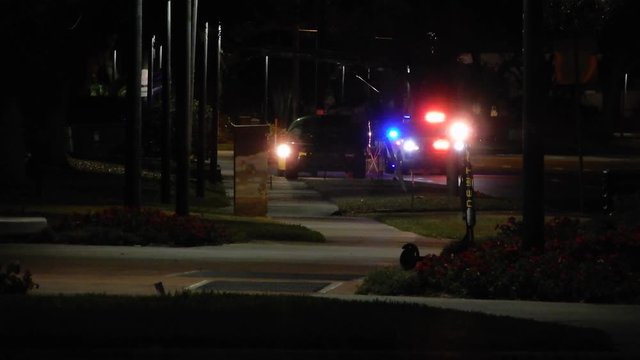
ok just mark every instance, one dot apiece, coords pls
pixel 393 133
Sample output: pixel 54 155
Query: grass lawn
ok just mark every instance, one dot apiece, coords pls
pixel 424 209
pixel 201 322
pixel 444 225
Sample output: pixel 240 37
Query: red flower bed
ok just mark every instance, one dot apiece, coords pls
pixel 580 262
pixel 127 226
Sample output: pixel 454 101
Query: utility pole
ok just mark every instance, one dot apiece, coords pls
pixel 184 105
pixel 165 174
pixel 532 151
pixel 132 197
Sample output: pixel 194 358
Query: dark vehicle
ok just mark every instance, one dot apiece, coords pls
pixel 323 142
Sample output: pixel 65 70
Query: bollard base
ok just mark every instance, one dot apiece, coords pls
pixel 410 256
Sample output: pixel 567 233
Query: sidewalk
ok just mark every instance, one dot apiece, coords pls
pixel 620 321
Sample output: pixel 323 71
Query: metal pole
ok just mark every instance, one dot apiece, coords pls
pixel 214 175
pixel 194 32
pixel 266 89
pixel 315 75
pixel 150 84
pixel 578 118
pixel 133 170
pixel 469 203
pixel 165 175
pixel 344 69
pixel 184 104
pixel 202 113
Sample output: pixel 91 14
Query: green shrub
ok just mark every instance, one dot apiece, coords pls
pixel 575 265
pixel 128 226
pixel 581 262
pixel 390 281
pixel 11 282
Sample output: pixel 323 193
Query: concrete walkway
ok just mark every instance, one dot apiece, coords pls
pixel 17 226
pixel 621 322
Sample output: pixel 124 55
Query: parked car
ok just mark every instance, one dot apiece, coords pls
pixel 332 142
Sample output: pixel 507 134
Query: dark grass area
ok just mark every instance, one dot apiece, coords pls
pixel 194 321
pixel 96 183
pixel 362 196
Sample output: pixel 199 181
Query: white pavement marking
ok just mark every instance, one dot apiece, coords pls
pixel 195 286
pixel 330 287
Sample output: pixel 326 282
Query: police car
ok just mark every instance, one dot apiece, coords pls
pixel 422 144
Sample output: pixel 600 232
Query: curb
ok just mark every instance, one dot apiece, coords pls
pixel 22 225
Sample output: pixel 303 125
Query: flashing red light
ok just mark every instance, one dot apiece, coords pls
pixel 434 117
pixel 441 144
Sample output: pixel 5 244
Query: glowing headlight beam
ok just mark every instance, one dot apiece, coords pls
pixel 410 145
pixel 459 132
pixel 283 150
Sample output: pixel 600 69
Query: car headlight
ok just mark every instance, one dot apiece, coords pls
pixel 459 131
pixel 283 150
pixel 410 145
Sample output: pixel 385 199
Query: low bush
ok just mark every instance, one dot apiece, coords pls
pixel 128 226
pixel 12 282
pixel 153 226
pixel 389 281
pixel 580 262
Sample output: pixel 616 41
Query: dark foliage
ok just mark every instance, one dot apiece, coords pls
pixel 581 262
pixel 128 226
pixel 12 282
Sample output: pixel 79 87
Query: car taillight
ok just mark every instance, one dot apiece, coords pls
pixel 441 144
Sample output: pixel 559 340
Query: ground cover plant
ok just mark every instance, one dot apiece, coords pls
pixel 593 261
pixel 14 281
pixel 118 225
pixel 191 321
